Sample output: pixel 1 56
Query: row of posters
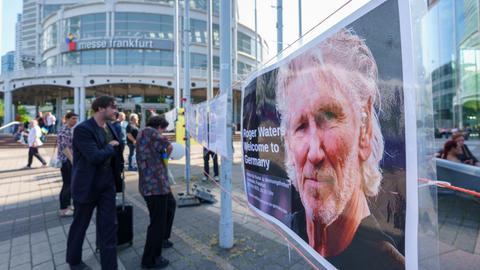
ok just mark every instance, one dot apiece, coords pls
pixel 324 143
pixel 207 123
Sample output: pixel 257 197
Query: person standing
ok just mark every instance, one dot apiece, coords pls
pixel 94 177
pixel 40 119
pixel 120 128
pixel 152 147
pixel 132 132
pixel 34 143
pixel 206 167
pixel 65 155
pixel 51 120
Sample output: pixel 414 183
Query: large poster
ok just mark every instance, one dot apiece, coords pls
pixel 324 146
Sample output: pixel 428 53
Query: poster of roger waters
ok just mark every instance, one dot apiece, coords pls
pixel 324 148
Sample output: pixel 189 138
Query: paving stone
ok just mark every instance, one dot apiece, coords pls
pixel 20 249
pixel 48 265
pixel 40 247
pixel 26 266
pixel 62 267
pixel 38 258
pixel 19 259
pixel 59 258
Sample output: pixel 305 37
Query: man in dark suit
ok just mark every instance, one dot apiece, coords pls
pixel 94 176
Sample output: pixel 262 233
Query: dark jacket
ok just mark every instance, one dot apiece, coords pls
pixel 91 172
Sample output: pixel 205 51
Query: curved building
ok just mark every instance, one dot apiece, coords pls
pixel 123 48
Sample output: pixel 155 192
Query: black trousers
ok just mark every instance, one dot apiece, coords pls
pixel 156 232
pixel 33 151
pixel 106 229
pixel 206 166
pixel 65 193
pixel 171 206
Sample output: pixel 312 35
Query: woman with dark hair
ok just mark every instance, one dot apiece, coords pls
pixel 151 149
pixel 451 150
pixel 465 155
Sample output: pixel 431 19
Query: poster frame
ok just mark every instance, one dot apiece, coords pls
pixel 348 14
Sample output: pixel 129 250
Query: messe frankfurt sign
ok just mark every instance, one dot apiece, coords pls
pixel 118 43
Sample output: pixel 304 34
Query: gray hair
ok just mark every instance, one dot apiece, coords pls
pixel 342 59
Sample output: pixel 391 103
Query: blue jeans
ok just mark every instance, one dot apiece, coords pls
pixel 131 148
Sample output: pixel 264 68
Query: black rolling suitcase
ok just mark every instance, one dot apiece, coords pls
pixel 124 220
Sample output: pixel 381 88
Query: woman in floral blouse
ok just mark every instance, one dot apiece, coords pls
pixel 151 147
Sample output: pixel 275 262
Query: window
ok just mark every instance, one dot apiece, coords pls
pixel 198 61
pixel 243 68
pixel 199 31
pixel 86 26
pixel 143 57
pixel 144 25
pixel 48 39
pixel 71 58
pixel 244 43
pixel 93 57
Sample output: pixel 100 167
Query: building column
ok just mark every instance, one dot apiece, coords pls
pixel 76 100
pixel 7 114
pixel 81 97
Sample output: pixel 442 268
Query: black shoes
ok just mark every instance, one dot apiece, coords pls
pixel 80 266
pixel 160 263
pixel 167 244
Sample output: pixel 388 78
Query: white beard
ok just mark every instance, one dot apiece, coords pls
pixel 334 204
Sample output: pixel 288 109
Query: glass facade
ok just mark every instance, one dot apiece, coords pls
pixel 143 57
pixel 48 39
pixel 451 57
pixel 246 44
pixel 49 9
pixel 93 57
pixel 145 25
pixel 243 68
pixel 50 62
pixel 137 25
pixel 86 26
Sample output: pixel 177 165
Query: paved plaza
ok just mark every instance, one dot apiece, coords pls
pixel 32 236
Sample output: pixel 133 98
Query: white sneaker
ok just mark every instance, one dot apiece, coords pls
pixel 204 178
pixel 65 212
pixel 217 179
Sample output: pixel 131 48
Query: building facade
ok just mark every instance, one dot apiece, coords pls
pixel 8 62
pixel 451 42
pixel 125 48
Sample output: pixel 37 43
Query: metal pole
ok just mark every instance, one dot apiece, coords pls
pixel 209 50
pixel 226 223
pixel 256 36
pixel 279 26
pixel 186 86
pixel 176 44
pixel 299 18
pixel 7 109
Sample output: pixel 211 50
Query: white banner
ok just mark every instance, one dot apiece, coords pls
pixel 207 123
pixel 171 117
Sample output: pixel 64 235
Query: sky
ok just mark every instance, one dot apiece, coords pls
pixel 313 11
pixel 8 12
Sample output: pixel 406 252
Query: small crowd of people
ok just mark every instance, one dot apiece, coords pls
pixel 91 154
pixel 456 150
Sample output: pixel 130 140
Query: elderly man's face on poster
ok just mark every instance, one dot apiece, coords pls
pixel 323 139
